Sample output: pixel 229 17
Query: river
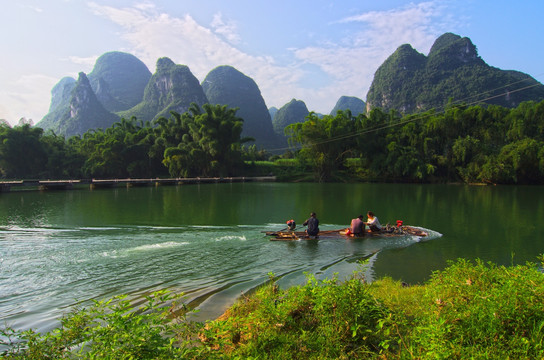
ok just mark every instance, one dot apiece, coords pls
pixel 62 248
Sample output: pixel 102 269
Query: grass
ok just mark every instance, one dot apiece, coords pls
pixel 469 310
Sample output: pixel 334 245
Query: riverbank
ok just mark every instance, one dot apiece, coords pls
pixel 468 310
pixel 6 186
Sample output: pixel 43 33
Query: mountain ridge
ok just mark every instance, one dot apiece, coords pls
pixel 171 88
pixel 226 85
pixel 407 81
pixel 81 111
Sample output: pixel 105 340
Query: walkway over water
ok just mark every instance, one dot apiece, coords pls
pixel 6 186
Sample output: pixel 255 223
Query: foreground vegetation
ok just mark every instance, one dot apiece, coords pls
pixel 489 144
pixel 469 310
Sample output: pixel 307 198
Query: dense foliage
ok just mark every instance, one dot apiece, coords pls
pixel 111 329
pixel 326 142
pixel 467 311
pixel 25 152
pixel 470 144
pixel 197 143
pixel 462 144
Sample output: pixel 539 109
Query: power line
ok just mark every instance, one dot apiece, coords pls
pixel 422 116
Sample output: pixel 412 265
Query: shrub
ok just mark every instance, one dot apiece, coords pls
pixel 468 310
pixel 320 320
pixel 482 311
pixel 112 329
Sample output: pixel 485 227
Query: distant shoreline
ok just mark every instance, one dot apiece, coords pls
pixel 43 185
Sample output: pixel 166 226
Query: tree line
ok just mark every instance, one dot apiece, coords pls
pixel 201 142
pixel 490 144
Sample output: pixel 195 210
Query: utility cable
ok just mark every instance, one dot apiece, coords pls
pixel 418 118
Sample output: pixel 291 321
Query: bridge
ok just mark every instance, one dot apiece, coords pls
pixel 6 186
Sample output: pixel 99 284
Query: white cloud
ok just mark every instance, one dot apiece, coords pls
pixel 27 97
pixel 33 8
pixel 414 24
pixel 349 64
pixel 226 29
pixel 4 112
pixel 154 35
pixel 87 62
pixel 353 62
pixel 145 6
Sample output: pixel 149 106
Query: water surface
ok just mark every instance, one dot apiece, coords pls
pixel 58 249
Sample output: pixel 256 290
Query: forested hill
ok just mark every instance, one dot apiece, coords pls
pixel 74 113
pixel 172 88
pixel 351 103
pixel 119 80
pixel 409 81
pixel 225 85
pixel 121 86
pixel 483 144
pixel 295 111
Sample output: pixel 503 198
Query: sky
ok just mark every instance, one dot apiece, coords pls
pixel 310 50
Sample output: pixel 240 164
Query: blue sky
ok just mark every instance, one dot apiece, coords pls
pixel 310 50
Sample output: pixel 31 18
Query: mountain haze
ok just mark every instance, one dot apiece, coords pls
pixel 60 95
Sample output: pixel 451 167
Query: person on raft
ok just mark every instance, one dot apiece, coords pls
pixel 313 225
pixel 373 223
pixel 291 225
pixel 357 227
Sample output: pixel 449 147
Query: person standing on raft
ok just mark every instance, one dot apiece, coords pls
pixel 373 223
pixel 313 225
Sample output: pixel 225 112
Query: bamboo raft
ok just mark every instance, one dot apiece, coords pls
pixel 389 231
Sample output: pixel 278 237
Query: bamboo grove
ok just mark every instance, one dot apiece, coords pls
pixel 489 144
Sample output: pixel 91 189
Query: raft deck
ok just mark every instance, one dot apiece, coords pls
pixel 341 234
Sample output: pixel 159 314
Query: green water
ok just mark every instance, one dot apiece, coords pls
pixel 61 248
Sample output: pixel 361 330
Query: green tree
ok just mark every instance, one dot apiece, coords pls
pixel 524 159
pixel 467 154
pixel 371 143
pixel 326 142
pixel 209 142
pixel 63 160
pixel 527 121
pixel 22 154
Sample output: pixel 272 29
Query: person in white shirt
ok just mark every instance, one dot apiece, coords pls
pixel 373 223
